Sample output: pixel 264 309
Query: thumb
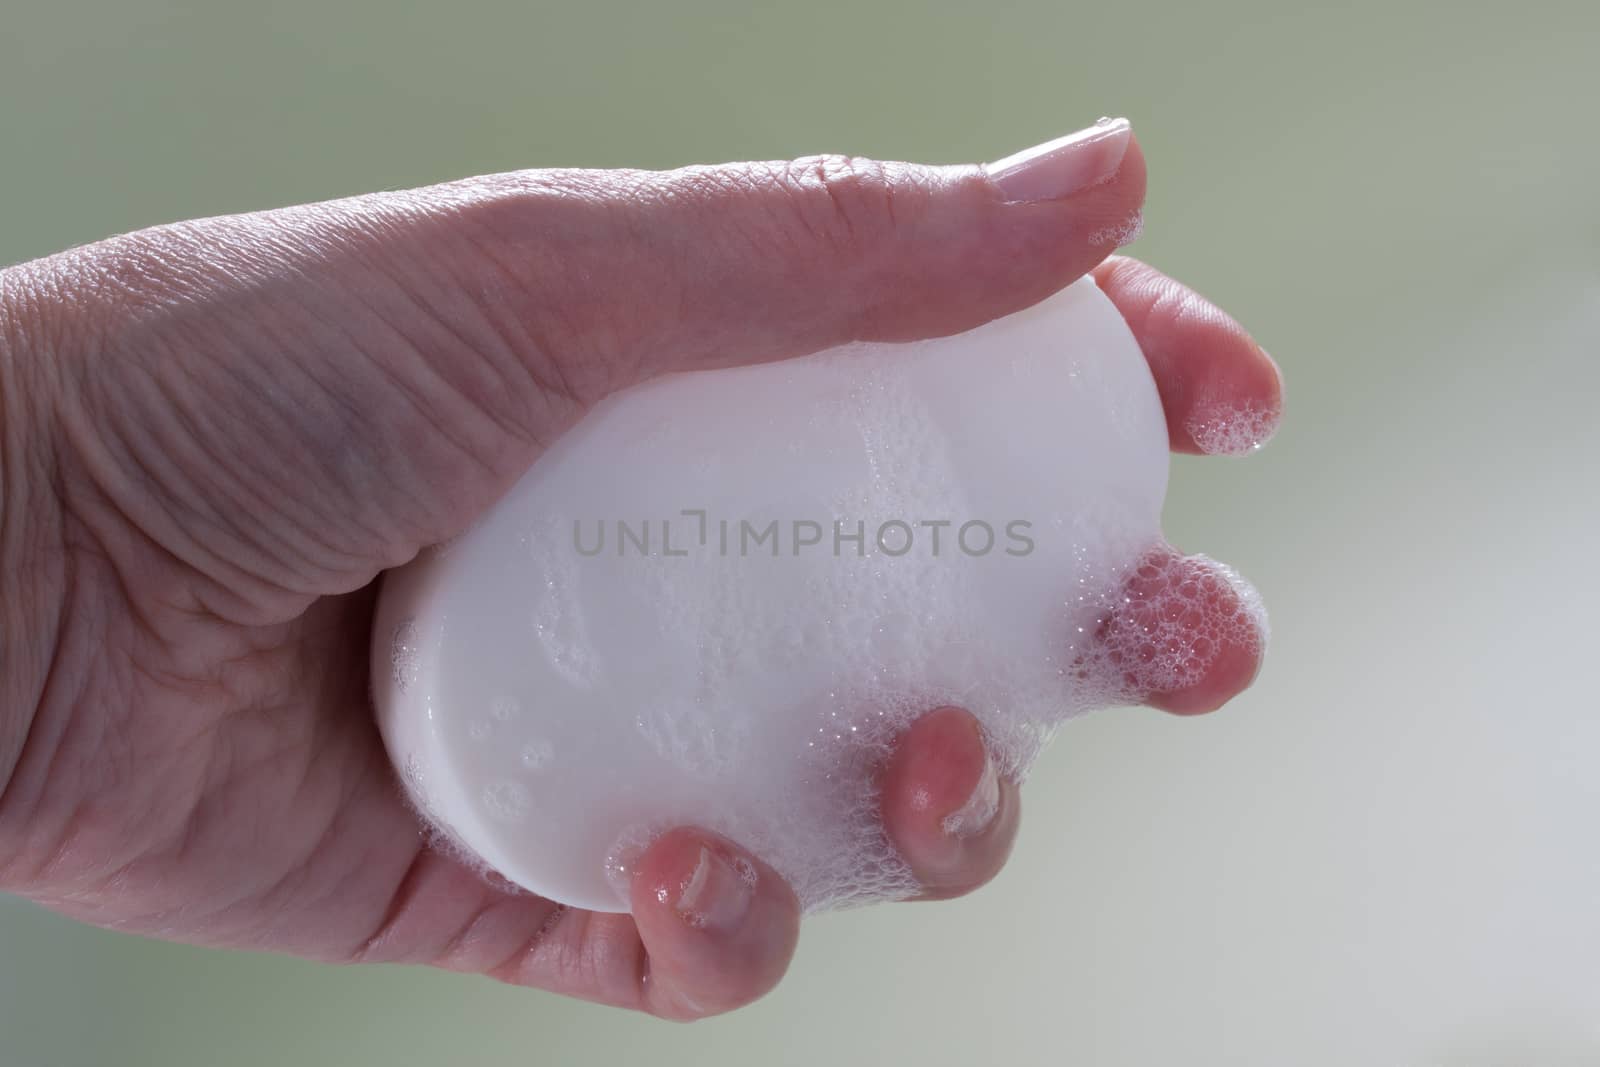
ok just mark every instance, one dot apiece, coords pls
pixel 289 401
pixel 633 273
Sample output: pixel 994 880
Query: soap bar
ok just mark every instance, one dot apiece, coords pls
pixel 717 599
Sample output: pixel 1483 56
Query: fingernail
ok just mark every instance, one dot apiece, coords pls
pixel 1277 372
pixel 717 895
pixel 622 863
pixel 1067 165
pixel 981 807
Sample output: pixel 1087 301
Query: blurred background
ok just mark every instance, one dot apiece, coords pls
pixel 1387 852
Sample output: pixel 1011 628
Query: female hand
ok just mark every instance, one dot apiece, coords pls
pixel 217 433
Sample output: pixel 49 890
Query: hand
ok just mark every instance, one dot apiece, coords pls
pixel 217 433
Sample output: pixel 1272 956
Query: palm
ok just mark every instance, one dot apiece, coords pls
pixel 263 813
pixel 243 797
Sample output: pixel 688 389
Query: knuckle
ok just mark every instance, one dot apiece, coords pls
pixel 848 202
pixel 846 206
pixel 65 308
pixel 83 289
pixel 528 263
pixel 135 272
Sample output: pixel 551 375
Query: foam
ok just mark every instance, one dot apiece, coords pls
pixel 1120 234
pixel 719 599
pixel 1164 627
pixel 1229 428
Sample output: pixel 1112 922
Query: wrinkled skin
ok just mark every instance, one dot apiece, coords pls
pixel 218 433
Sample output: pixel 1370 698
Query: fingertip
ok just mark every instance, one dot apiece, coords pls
pixel 1221 391
pixel 719 926
pixel 1124 215
pixel 940 770
pixel 1189 635
pixel 1230 673
pixel 949 811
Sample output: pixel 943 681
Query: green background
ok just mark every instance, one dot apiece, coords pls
pixel 1384 853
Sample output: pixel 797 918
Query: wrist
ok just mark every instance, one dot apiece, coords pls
pixel 32 559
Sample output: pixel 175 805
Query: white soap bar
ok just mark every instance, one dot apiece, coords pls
pixel 716 600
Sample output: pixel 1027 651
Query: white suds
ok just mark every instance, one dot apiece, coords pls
pixel 1223 429
pixel 1121 234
